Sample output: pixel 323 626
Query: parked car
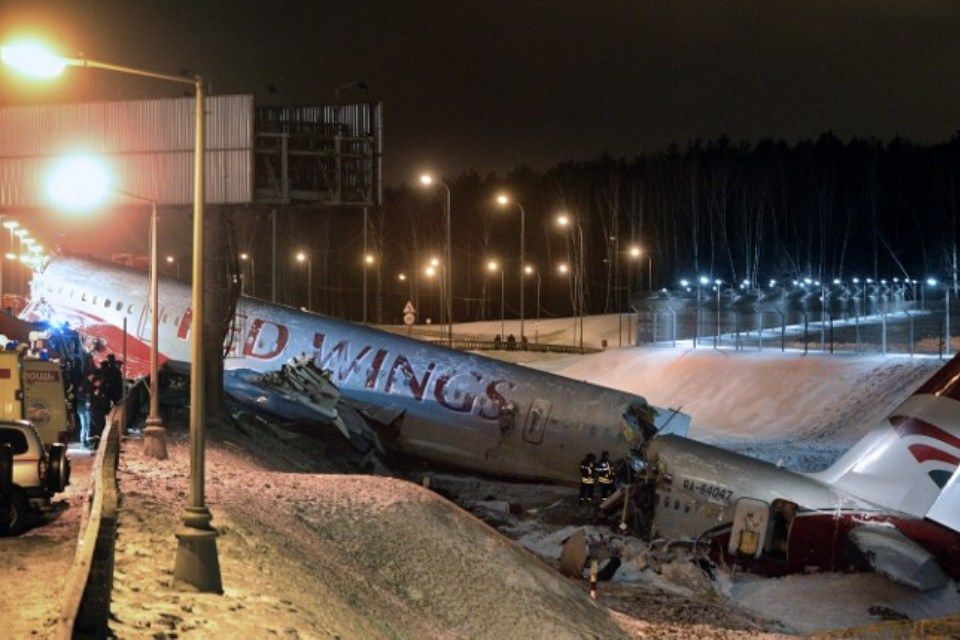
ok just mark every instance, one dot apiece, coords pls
pixel 39 472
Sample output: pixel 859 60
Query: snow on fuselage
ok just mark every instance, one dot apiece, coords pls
pixel 456 405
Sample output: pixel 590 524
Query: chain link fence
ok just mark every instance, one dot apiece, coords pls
pixel 878 320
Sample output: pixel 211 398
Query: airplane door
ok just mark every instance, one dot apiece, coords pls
pixel 536 422
pixel 749 528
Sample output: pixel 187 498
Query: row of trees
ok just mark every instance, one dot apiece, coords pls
pixel 823 208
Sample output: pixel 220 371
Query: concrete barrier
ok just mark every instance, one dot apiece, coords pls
pixel 86 602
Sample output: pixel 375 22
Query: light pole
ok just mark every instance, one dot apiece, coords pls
pixel 81 183
pixel 716 284
pixel 564 269
pixel 428 180
pixel 247 258
pixel 368 261
pixel 176 264
pixel 529 270
pixel 493 266
pixel 9 225
pixel 503 200
pixel 196 561
pixel 304 258
pixel 154 433
pixel 564 221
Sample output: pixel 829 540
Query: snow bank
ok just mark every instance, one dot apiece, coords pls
pixel 332 555
pixel 758 394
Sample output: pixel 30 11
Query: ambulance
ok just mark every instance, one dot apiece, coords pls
pixel 33 389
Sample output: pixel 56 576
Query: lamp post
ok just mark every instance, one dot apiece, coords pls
pixel 304 258
pixel 529 270
pixel 493 266
pixel 503 200
pixel 428 180
pixel 176 264
pixel 564 221
pixel 154 433
pixel 196 560
pixel 81 182
pixel 9 225
pixel 368 261
pixel 247 258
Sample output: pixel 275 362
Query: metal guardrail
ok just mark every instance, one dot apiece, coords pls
pixel 86 602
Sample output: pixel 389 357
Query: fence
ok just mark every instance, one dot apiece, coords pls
pixel 903 328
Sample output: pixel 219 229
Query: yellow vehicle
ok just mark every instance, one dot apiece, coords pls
pixel 33 389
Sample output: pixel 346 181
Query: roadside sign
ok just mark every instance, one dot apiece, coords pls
pixel 409 314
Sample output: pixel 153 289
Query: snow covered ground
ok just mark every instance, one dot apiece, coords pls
pixel 35 564
pixel 332 556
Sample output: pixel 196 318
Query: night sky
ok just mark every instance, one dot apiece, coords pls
pixel 492 85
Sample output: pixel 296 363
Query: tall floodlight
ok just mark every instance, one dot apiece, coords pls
pixel 196 561
pixel 304 258
pixel 493 266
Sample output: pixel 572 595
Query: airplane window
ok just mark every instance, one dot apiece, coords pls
pixel 119 306
pixel 686 508
pixel 130 309
pixel 676 505
pixel 106 303
pixel 83 297
pixel 94 299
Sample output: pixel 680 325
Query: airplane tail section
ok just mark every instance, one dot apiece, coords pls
pixel 908 460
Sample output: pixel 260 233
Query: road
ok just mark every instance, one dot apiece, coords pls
pixel 35 564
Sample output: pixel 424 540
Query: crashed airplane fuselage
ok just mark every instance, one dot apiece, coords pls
pixel 436 403
pixel 890 504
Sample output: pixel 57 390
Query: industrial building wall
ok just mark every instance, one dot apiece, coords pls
pixel 148 144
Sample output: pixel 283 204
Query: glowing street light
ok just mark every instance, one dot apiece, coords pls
pixel 33 59
pixel 247 259
pixel 78 183
pixel 402 277
pixel 563 268
pixel 430 271
pixel 369 259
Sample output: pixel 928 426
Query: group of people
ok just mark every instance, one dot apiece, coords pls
pixel 594 473
pixel 96 394
pixel 511 343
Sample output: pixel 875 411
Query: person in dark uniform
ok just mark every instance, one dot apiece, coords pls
pixel 587 480
pixel 99 408
pixel 604 472
pixel 84 408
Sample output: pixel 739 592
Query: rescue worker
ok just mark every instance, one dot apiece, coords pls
pixel 586 478
pixel 85 408
pixel 604 471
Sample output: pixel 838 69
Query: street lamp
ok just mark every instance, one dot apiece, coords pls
pixel 196 560
pixel 247 258
pixel 504 200
pixel 304 258
pixel 82 182
pixel 427 180
pixel 529 271
pixel 493 266
pixel 565 221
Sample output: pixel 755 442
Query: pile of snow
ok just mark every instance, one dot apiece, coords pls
pixel 762 394
pixel 331 556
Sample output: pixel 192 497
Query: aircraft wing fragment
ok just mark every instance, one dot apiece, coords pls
pixel 894 555
pixel 946 508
